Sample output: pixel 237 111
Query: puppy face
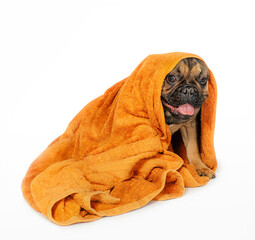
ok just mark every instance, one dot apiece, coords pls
pixel 184 90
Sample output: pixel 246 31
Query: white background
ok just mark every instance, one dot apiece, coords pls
pixel 56 56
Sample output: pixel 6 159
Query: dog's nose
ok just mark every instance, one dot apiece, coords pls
pixel 188 90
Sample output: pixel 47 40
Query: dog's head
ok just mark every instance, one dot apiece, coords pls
pixel 184 90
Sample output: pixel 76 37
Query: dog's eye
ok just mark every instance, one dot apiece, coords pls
pixel 171 79
pixel 203 81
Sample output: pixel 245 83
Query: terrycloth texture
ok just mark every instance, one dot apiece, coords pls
pixel 116 154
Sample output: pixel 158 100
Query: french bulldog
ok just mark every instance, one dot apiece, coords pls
pixel 184 91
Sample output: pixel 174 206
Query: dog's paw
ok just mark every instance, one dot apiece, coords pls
pixel 206 172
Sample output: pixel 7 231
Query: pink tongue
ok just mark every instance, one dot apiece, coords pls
pixel 186 109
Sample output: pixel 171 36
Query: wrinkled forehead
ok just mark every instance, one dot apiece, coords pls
pixel 192 67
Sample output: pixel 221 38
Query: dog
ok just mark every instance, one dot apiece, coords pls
pixel 184 91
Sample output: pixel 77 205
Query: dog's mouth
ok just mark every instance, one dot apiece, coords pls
pixel 185 109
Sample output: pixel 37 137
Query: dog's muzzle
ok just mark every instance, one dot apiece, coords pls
pixel 185 94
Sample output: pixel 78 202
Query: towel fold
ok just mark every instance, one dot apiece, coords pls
pixel 118 154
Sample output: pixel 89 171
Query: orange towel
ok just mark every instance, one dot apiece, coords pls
pixel 117 154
